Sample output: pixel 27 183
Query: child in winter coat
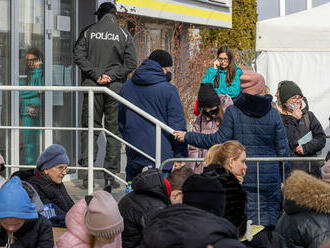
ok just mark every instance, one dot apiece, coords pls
pixel 94 221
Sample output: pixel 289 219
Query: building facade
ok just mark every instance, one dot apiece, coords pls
pixel 36 44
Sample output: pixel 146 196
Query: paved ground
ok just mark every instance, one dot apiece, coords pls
pixel 76 193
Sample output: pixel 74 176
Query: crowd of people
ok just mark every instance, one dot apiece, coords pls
pixel 223 202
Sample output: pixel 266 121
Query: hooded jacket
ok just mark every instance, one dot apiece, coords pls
pixel 233 90
pixel 105 48
pixel 306 220
pixel 15 203
pixel 149 194
pixel 183 226
pixel 203 124
pixel 296 129
pixel 77 233
pixel 34 233
pixel 149 90
pixel 258 126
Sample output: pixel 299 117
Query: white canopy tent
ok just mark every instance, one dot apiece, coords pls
pixel 297 47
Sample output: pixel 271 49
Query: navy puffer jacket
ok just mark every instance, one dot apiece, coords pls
pixel 149 90
pixel 258 126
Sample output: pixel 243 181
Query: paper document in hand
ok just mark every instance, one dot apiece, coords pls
pixel 305 139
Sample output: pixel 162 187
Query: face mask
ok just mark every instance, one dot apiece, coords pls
pixel 168 76
pixel 293 106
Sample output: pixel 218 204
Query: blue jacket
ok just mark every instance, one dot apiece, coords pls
pixel 233 91
pixel 149 90
pixel 258 126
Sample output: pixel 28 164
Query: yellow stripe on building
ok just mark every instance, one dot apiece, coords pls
pixel 178 9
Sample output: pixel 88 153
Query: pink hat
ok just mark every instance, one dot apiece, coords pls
pixel 2 161
pixel 252 83
pixel 103 218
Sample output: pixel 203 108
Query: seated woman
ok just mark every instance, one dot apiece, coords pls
pixel 227 161
pixel 94 221
pixel 20 224
pixel 47 180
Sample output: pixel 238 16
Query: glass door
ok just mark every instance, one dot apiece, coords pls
pixel 31 52
pixel 63 74
pixel 43 39
pixel 5 96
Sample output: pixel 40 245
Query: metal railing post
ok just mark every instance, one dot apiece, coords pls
pixel 90 141
pixel 258 189
pixel 158 146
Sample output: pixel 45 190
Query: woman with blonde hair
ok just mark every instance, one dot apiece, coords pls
pixel 227 161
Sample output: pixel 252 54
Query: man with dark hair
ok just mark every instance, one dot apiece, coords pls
pixel 105 54
pixel 150 90
pixel 176 180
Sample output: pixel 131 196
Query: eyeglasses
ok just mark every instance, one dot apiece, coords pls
pixel 31 60
pixel 61 168
pixel 223 59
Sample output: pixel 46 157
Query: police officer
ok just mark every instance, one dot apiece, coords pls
pixel 105 54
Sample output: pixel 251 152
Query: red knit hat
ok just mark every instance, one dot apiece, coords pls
pixel 168 187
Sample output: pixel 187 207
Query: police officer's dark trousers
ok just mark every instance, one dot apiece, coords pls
pixel 107 106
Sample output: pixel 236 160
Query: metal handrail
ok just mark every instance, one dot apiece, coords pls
pixel 71 168
pixel 91 91
pixel 252 159
pixel 257 160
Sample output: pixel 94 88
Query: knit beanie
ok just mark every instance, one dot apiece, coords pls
pixel 2 161
pixel 204 192
pixel 106 7
pixel 162 57
pixel 103 218
pixel 287 90
pixel 15 202
pixel 252 83
pixel 52 156
pixel 207 96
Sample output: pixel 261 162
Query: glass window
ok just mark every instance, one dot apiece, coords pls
pixel 267 9
pixel 316 3
pixel 293 6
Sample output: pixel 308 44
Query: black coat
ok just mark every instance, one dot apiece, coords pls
pixel 51 192
pixel 35 233
pixel 306 221
pixel 235 197
pixel 105 48
pixel 181 226
pixel 149 194
pixel 296 129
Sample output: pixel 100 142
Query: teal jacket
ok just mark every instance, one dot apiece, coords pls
pixel 233 91
pixel 31 97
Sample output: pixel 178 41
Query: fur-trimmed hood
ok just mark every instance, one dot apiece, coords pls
pixel 304 192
